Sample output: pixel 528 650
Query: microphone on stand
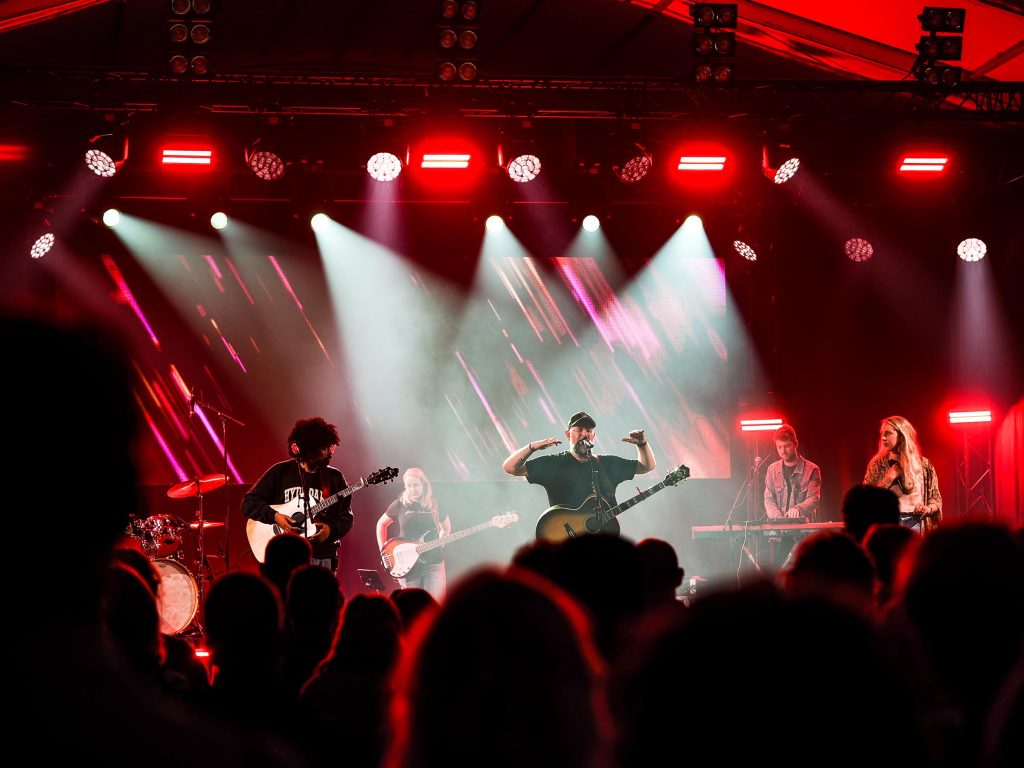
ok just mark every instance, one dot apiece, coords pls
pixel 192 403
pixel 584 447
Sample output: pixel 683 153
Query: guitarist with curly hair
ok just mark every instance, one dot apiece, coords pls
pixel 303 481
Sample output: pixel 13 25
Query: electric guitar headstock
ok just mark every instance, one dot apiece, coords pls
pixel 677 475
pixel 504 521
pixel 385 475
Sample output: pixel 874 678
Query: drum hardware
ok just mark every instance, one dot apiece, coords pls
pixel 197 488
pixel 161 536
pixel 177 597
pixel 198 402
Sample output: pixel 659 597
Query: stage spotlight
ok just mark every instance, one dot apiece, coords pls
pixel 858 249
pixel 524 168
pixel 178 34
pixel 384 166
pixel 636 166
pixel 219 220
pixel 200 34
pixel 111 217
pixel 42 245
pixel 710 42
pixel 591 223
pixel 319 222
pixel 180 7
pixel 779 162
pixel 787 170
pixel 972 249
pixel 744 250
pixel 935 19
pixel 935 51
pixel 100 163
pixel 714 14
pixel 200 65
pixel 494 223
pixel 265 164
pixel 458 36
pixel 106 154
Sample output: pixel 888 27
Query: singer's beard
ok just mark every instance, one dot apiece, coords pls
pixel 582 448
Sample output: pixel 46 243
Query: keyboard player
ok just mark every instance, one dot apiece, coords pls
pixel 792 489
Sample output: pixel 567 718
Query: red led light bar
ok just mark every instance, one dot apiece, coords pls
pixel 912 164
pixel 180 156
pixel 701 163
pixel 10 153
pixel 438 160
pixel 969 417
pixel 759 425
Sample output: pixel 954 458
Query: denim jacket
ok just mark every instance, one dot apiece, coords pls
pixel 805 493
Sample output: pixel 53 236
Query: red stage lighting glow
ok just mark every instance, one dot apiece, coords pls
pixel 916 164
pixel 759 425
pixel 183 156
pixel 10 153
pixel 969 417
pixel 437 160
pixel 701 163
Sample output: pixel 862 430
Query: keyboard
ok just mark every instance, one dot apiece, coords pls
pixel 771 530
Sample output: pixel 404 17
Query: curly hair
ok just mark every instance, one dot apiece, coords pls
pixel 312 435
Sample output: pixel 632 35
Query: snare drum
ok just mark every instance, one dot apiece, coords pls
pixel 161 536
pixel 177 598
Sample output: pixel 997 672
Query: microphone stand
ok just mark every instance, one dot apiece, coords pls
pixel 745 548
pixel 224 419
pixel 758 461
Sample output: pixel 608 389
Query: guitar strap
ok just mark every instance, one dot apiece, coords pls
pixel 595 483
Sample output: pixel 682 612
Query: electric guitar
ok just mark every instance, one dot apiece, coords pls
pixel 259 534
pixel 400 555
pixel 560 522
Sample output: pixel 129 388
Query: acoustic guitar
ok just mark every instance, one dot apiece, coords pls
pixel 559 522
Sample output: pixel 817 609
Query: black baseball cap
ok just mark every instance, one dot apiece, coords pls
pixel 581 419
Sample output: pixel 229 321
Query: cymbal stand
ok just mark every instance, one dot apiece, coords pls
pixel 224 419
pixel 200 564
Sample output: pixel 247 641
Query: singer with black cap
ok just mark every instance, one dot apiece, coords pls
pixel 570 477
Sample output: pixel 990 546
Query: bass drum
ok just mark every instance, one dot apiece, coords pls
pixel 178 596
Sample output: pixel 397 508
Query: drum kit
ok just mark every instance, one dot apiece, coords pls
pixel 161 536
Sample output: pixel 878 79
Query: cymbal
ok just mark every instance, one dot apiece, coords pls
pixel 191 488
pixel 206 524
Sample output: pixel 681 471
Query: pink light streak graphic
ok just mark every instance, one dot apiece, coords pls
pixel 179 471
pixel 215 271
pixel 125 296
pixel 298 304
pixel 239 280
pixel 498 426
pixel 215 437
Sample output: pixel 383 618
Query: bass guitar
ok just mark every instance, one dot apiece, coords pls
pixel 399 556
pixel 260 534
pixel 560 522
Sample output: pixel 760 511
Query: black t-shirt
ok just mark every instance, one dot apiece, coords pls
pixel 569 481
pixel 413 521
pixel 282 483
